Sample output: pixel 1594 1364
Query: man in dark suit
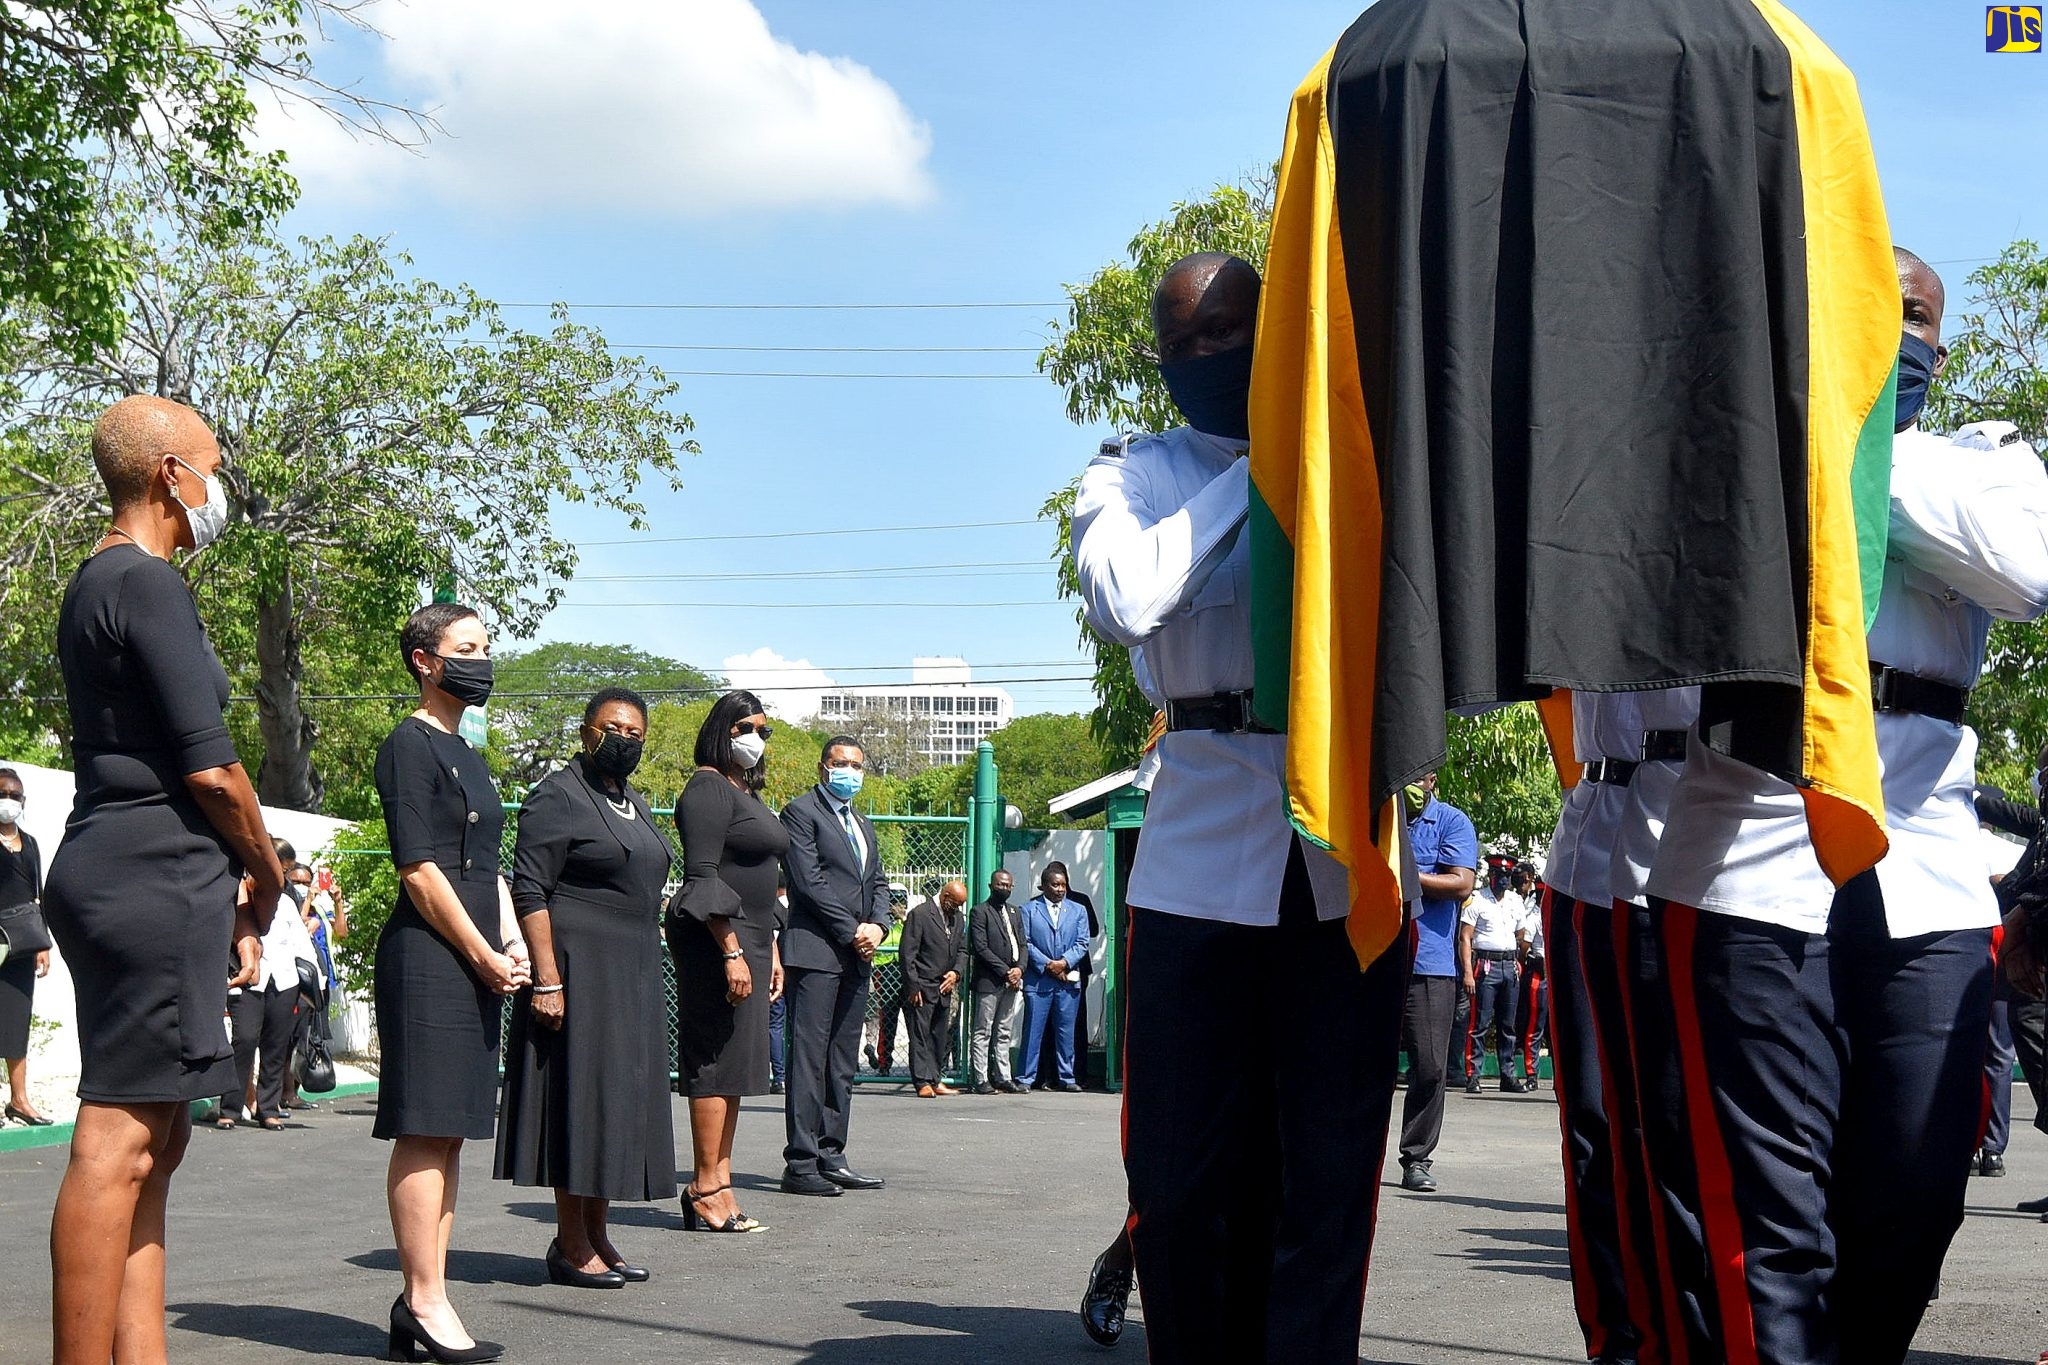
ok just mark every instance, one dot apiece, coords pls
pixel 838 913
pixel 995 934
pixel 934 961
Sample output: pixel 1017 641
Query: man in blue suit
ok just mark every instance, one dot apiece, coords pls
pixel 1056 943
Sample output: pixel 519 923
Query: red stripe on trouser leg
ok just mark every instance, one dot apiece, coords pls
pixel 1563 1077
pixel 1985 1101
pixel 1720 1224
pixel 1650 1347
pixel 1676 1350
pixel 1475 1056
pixel 1532 995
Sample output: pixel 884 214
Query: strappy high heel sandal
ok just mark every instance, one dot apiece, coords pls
pixel 696 1222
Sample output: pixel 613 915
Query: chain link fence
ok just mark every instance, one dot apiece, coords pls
pixel 919 853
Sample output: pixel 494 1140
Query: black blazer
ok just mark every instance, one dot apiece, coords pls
pixel 992 956
pixel 830 896
pixel 931 947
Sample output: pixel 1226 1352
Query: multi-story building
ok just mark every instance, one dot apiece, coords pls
pixel 949 710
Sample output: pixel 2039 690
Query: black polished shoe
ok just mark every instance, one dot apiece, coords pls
pixel 1104 1301
pixel 1068 1088
pixel 792 1183
pixel 630 1273
pixel 776 1088
pixel 984 1089
pixel 1012 1088
pixel 32 1120
pixel 1472 1084
pixel 1991 1163
pixel 2034 1205
pixel 848 1179
pixel 1515 1085
pixel 561 1272
pixel 408 1338
pixel 1418 1179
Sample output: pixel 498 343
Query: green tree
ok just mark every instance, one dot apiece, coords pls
pixel 1038 757
pixel 89 88
pixel 378 431
pixel 1499 772
pixel 537 707
pixel 1102 357
pixel 1998 369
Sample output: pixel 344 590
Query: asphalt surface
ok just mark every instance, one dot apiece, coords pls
pixel 977 1251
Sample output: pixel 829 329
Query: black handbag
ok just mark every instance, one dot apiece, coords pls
pixel 23 928
pixel 316 1075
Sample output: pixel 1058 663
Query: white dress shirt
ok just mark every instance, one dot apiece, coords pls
pixel 1604 725
pixel 1494 919
pixel 1641 826
pixel 848 819
pixel 1969 540
pixel 1532 925
pixel 1163 569
pixel 286 942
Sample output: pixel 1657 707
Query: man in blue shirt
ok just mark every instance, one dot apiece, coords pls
pixel 1446 851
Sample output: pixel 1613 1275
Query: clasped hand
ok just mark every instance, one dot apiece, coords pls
pixel 505 972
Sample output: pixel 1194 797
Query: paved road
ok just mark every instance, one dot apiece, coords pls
pixel 976 1252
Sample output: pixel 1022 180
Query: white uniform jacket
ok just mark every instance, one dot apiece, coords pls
pixel 1160 554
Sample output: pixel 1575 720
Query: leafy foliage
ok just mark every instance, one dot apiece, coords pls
pixel 377 431
pixel 1998 368
pixel 160 86
pixel 1102 356
pixel 1500 773
pixel 1038 757
pixel 537 707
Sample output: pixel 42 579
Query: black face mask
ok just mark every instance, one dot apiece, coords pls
pixel 466 679
pixel 1214 392
pixel 998 895
pixel 616 756
pixel 1916 372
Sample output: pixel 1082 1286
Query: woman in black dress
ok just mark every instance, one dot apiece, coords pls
pixel 141 897
pixel 721 932
pixel 447 955
pixel 21 883
pixel 586 1108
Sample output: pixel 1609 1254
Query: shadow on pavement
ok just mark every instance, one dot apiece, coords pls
pixel 472 1267
pixel 962 1333
pixel 287 1329
pixel 1473 1202
pixel 667 1217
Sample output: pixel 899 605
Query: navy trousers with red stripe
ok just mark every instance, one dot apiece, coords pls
pixel 1830 1091
pixel 1255 1125
pixel 1532 1022
pixel 1603 1261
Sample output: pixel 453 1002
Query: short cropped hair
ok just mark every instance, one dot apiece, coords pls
pixel 425 627
pixel 607 697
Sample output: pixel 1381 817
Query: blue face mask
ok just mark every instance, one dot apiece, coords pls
pixel 1214 392
pixel 1916 372
pixel 843 783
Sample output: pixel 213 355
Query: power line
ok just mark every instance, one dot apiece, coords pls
pixel 827 606
pixel 818 573
pixel 826 350
pixel 808 535
pixel 784 307
pixel 906 575
pixel 832 374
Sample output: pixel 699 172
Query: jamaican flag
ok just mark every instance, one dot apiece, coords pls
pixel 1574 370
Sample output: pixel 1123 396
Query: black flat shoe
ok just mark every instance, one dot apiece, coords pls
pixel 630 1273
pixel 561 1272
pixel 408 1338
pixel 32 1120
pixel 792 1183
pixel 2033 1205
pixel 1104 1302
pixel 848 1179
pixel 1417 1178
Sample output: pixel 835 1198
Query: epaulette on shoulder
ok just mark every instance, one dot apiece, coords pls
pixel 1116 446
pixel 1992 435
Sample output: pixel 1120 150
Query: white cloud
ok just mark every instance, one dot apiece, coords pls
pixel 647 108
pixel 789 688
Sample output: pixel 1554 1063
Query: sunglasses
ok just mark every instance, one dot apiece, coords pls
pixel 747 727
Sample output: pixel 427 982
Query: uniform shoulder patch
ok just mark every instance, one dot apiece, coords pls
pixel 1115 446
pixel 1992 435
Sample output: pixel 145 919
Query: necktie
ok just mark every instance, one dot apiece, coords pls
pixel 852 835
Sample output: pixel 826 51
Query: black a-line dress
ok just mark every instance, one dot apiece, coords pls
pixel 141 892
pixel 586 1107
pixel 732 856
pixel 21 881
pixel 437 1022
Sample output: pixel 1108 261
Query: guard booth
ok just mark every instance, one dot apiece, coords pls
pixel 1122 805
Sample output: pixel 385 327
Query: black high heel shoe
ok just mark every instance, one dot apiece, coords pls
pixel 696 1222
pixel 631 1274
pixel 408 1338
pixel 32 1120
pixel 561 1272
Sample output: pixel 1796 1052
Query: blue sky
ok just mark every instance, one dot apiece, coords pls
pixel 644 152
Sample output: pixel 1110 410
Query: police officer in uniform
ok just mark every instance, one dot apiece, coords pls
pixel 1829 1109
pixel 1260 1054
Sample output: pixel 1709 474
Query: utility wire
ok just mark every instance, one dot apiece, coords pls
pixel 829 606
pixel 815 573
pixel 832 374
pixel 786 307
pixel 809 535
pixel 826 350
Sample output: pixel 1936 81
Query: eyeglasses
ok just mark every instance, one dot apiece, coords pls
pixel 747 727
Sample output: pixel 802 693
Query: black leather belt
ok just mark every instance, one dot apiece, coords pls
pixel 1893 689
pixel 1613 771
pixel 1664 746
pixel 1226 713
pixel 1495 954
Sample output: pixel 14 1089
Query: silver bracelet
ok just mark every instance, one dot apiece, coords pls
pixel 735 955
pixel 555 989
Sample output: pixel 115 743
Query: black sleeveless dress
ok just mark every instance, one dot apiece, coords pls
pixel 437 1022
pixel 141 892
pixel 21 881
